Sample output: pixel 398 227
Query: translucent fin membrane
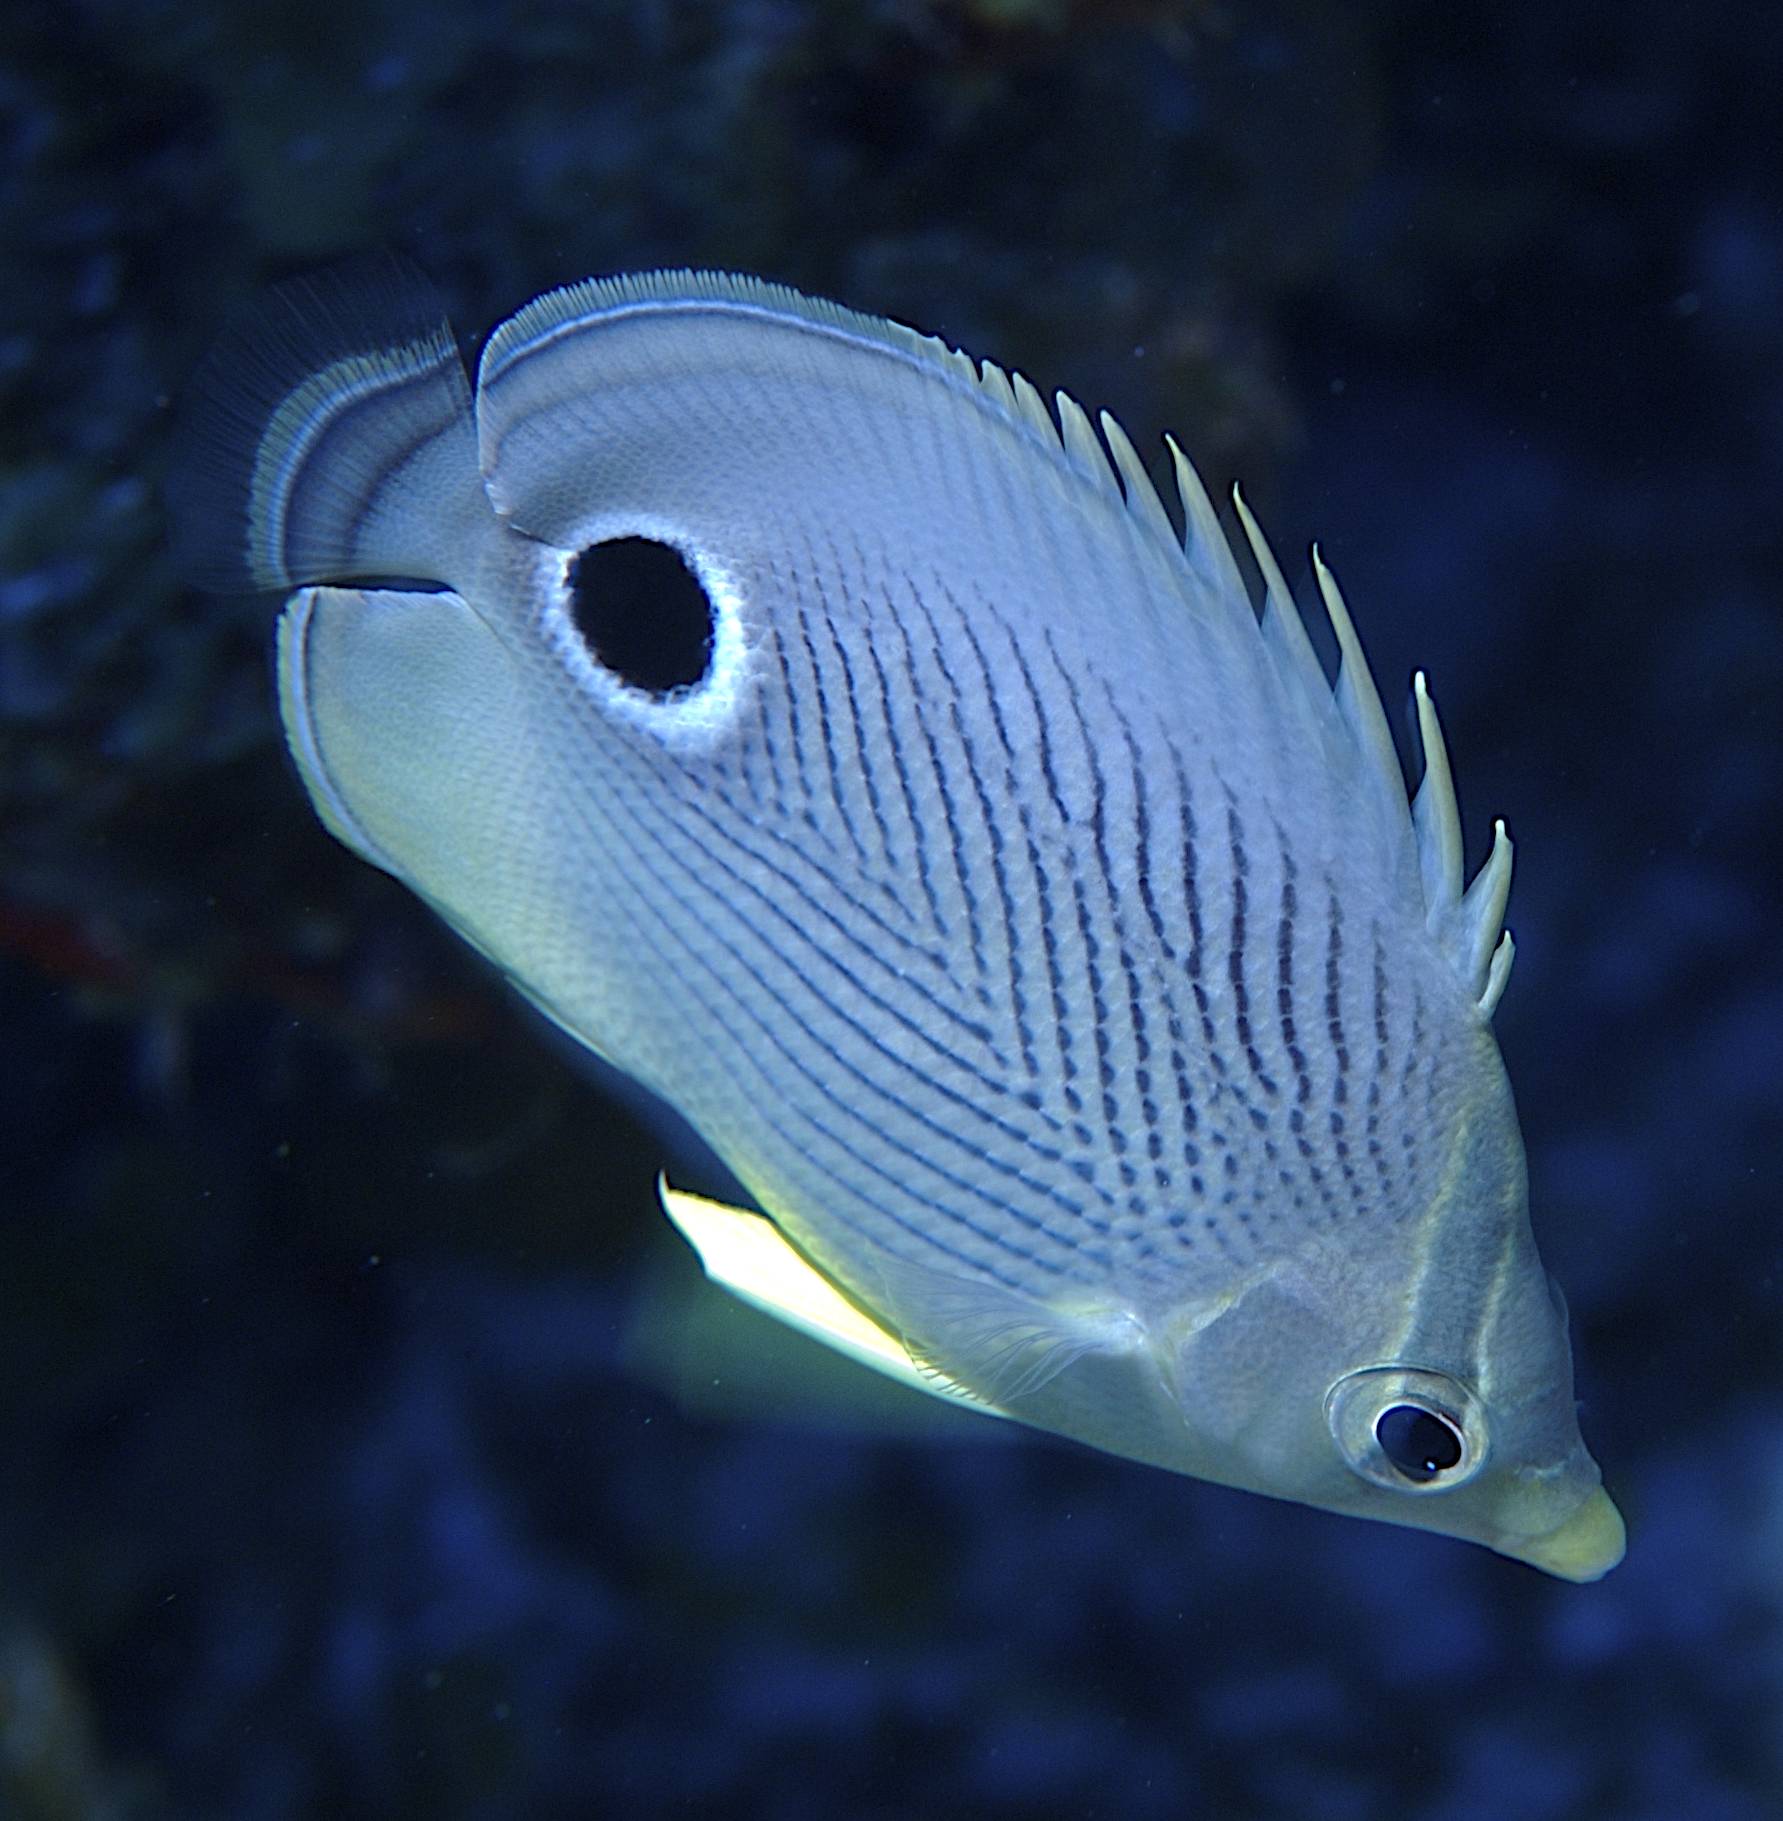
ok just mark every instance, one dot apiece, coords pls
pixel 328 436
pixel 1002 1343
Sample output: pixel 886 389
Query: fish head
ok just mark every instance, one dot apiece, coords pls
pixel 1428 1384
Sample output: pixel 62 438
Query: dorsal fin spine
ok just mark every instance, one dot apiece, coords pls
pixel 1299 674
pixel 1282 625
pixel 1032 407
pixel 1204 543
pixel 1467 925
pixel 1482 910
pixel 1080 440
pixel 1498 976
pixel 996 384
pixel 1142 496
pixel 1359 705
pixel 1435 816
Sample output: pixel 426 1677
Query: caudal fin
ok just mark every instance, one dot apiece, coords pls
pixel 329 437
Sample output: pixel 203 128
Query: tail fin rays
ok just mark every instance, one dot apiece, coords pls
pixel 329 438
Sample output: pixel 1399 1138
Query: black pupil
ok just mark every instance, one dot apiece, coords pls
pixel 642 613
pixel 1418 1444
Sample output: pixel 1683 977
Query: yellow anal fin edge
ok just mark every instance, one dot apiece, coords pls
pixel 750 1257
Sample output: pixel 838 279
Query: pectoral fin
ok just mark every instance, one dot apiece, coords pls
pixel 1006 1344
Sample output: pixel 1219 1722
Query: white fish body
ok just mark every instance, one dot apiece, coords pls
pixel 1042 940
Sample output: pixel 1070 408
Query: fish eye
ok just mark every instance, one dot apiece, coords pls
pixel 1407 1429
pixel 642 613
pixel 1418 1442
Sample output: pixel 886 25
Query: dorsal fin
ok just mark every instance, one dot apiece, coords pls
pixel 1343 717
pixel 328 437
pixel 1490 950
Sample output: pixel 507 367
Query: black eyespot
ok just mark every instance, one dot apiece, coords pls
pixel 643 613
pixel 1418 1444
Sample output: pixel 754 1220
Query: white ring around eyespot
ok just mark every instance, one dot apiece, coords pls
pixel 696 716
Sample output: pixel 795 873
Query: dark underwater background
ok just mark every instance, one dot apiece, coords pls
pixel 344 1469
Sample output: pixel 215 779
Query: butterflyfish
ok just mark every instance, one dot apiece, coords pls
pixel 1045 942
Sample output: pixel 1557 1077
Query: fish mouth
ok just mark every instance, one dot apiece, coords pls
pixel 1585 1548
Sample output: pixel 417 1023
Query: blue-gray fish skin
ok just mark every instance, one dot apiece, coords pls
pixel 1032 928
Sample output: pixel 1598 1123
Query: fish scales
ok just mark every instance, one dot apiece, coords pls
pixel 1032 928
pixel 884 978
